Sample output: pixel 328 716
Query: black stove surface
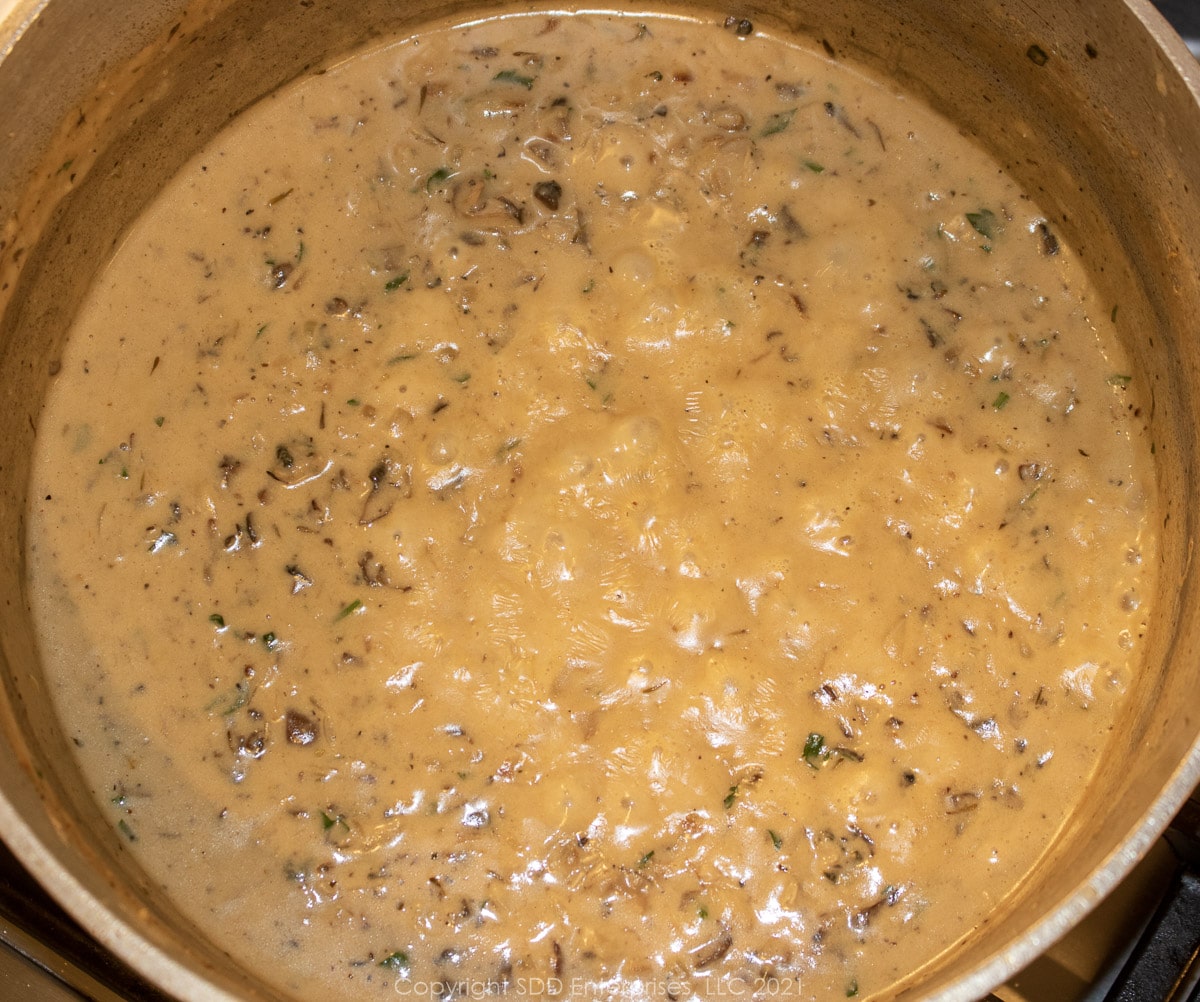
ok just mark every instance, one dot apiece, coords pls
pixel 1184 16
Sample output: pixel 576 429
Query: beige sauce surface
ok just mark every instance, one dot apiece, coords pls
pixel 602 506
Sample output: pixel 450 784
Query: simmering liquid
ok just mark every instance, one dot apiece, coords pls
pixel 591 506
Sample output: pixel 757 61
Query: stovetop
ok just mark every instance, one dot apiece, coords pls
pixel 46 957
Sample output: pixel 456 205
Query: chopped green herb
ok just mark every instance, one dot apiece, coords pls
pixel 437 177
pixel 1117 379
pixel 284 456
pixel 353 402
pixel 118 800
pixel 259 333
pixel 297 872
pixel 655 75
pixel 397 961
pixel 126 830
pixel 66 166
pixel 270 641
pixel 851 989
pixel 702 912
pixel 229 702
pixel 778 122
pixel 776 841
pixel 280 197
pixel 217 620
pixel 463 377
pixel 1001 399
pixel 513 77
pixel 814 749
pixel 396 281
pixel 589 287
pixel 1113 316
pixel 328 822
pixel 983 222
pixel 730 797
pixel 507 447
pixel 815 167
pixel 646 858
pixel 347 609
pixel 400 358
pixel 159 421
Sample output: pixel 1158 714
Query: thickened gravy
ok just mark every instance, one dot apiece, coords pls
pixel 591 505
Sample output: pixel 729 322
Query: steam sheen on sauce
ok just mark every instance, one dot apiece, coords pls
pixel 597 506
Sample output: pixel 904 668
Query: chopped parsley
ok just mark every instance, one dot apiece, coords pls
pixel 328 822
pixel 438 177
pixel 513 77
pixel 396 961
pixel 985 224
pixel 778 122
pixel 348 609
pixel 814 749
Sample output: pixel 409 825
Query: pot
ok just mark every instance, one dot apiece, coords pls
pixel 1095 108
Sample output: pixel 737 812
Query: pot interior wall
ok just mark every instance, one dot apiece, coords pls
pixel 1078 100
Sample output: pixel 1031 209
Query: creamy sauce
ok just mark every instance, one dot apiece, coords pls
pixel 591 505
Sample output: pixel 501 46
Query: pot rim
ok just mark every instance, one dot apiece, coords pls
pixel 117 935
pixel 1185 780
pixel 131 945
